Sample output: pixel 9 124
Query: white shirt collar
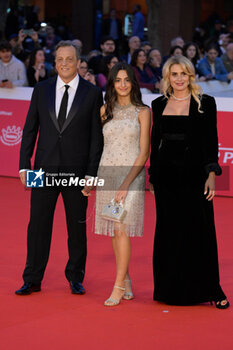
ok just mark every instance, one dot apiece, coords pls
pixel 73 83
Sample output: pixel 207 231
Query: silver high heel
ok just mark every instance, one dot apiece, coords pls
pixel 128 295
pixel 114 302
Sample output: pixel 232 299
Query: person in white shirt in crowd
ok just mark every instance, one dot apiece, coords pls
pixel 12 70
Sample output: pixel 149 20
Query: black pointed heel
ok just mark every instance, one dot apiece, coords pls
pixel 219 304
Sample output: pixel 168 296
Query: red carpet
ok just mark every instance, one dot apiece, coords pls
pixel 56 319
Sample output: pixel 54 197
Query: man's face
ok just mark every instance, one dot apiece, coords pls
pixel 67 63
pixel 5 55
pixel 108 47
pixel 156 55
pixel 134 43
pixel 179 42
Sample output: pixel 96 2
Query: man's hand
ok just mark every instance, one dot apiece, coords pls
pixel 22 176
pixel 87 189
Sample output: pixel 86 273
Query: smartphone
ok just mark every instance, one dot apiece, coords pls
pixel 28 31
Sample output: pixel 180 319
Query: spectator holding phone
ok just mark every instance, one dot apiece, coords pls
pixel 12 70
pixel 24 43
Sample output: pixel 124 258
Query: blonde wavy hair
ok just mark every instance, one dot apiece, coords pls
pixel 188 68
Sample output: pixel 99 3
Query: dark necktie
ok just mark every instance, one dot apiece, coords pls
pixel 63 108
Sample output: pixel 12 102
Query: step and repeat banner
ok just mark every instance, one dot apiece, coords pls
pixel 14 104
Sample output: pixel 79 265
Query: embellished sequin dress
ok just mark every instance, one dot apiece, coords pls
pixel 121 148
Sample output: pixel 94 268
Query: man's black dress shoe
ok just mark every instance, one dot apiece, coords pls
pixel 77 288
pixel 28 288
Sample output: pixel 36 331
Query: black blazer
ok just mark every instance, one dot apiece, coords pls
pixel 78 146
pixel 202 135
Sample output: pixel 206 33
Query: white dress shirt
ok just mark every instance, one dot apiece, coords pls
pixel 60 89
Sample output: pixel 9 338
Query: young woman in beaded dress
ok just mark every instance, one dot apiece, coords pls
pixel 126 130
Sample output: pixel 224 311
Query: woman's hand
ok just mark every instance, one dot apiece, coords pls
pixel 40 66
pixel 151 188
pixel 210 186
pixel 121 194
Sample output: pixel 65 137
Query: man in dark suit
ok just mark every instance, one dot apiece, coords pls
pixel 65 115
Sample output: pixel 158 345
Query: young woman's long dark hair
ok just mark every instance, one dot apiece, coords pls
pixel 111 95
pixel 135 57
pixel 32 59
pixel 196 57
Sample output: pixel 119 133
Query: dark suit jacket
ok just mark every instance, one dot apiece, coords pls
pixel 78 146
pixel 202 135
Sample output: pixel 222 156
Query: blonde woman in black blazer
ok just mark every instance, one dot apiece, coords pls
pixel 184 162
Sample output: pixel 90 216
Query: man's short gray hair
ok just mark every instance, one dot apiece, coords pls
pixel 173 41
pixel 67 43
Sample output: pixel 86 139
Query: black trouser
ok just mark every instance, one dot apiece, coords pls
pixel 43 203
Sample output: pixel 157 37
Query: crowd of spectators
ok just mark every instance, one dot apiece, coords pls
pixel 27 56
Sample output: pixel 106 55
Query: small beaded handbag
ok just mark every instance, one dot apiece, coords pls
pixel 114 212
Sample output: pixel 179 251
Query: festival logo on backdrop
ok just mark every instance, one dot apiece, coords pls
pixel 225 155
pixel 11 135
